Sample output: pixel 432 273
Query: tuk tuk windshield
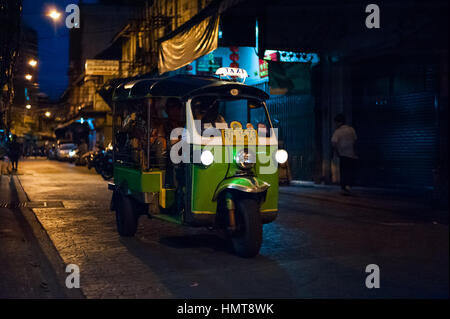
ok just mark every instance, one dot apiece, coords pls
pixel 224 113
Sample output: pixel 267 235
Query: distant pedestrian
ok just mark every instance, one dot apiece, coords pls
pixel 343 142
pixel 14 153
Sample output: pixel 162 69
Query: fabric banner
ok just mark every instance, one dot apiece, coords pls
pixel 189 45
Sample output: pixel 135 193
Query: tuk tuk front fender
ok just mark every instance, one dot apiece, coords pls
pixel 247 184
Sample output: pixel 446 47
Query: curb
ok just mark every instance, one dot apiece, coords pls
pixel 46 245
pixel 335 200
pixel 415 212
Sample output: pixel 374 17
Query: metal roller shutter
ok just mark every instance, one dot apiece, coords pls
pixel 295 116
pixel 397 140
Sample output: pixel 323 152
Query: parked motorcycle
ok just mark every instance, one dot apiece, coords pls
pixel 102 162
pixel 90 159
pixel 97 161
pixel 107 168
pixel 82 159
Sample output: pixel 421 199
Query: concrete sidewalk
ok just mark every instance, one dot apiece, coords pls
pixel 416 204
pixel 30 266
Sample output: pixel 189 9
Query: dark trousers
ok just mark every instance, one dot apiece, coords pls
pixel 347 169
pixel 14 162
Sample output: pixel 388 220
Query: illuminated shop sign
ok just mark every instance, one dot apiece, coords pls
pixel 101 67
pixel 289 56
pixel 271 55
pixel 263 68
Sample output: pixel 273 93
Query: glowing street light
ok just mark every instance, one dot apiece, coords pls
pixel 54 15
pixel 48 114
pixel 28 77
pixel 32 62
pixel 28 106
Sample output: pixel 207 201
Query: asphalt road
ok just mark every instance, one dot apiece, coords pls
pixel 315 249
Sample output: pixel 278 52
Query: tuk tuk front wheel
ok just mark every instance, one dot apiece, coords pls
pixel 126 218
pixel 247 238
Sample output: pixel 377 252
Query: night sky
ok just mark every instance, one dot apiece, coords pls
pixel 53 42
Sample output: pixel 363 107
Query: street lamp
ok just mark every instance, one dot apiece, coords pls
pixel 28 106
pixel 32 62
pixel 48 114
pixel 54 15
pixel 28 77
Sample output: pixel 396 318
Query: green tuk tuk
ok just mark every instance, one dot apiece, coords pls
pixel 196 151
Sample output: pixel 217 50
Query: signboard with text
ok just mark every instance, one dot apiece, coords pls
pixel 263 69
pixel 102 67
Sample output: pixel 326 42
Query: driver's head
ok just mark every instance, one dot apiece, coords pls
pixel 204 105
pixel 199 109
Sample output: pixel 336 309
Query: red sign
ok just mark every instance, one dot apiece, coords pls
pixel 263 68
pixel 271 56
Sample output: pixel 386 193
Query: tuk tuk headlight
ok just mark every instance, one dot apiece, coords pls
pixel 281 156
pixel 245 159
pixel 207 158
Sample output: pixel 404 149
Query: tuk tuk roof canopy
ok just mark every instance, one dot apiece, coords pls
pixel 184 87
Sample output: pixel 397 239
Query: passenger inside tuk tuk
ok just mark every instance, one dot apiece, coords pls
pixel 130 138
pixel 158 145
pixel 136 129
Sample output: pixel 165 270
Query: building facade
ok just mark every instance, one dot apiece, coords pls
pixel 90 66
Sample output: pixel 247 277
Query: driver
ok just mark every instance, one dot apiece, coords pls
pixel 174 109
pixel 207 114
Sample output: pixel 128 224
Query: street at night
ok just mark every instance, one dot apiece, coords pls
pixel 225 158
pixel 315 249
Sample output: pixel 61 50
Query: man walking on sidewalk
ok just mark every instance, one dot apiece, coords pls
pixel 343 141
pixel 15 151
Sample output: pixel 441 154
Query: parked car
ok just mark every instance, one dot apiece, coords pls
pixel 65 152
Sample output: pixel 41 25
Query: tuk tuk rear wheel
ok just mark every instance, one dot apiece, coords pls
pixel 247 238
pixel 126 218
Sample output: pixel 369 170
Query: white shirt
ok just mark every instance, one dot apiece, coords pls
pixel 343 140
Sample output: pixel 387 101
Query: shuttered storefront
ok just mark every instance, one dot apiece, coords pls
pixel 293 115
pixel 397 140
